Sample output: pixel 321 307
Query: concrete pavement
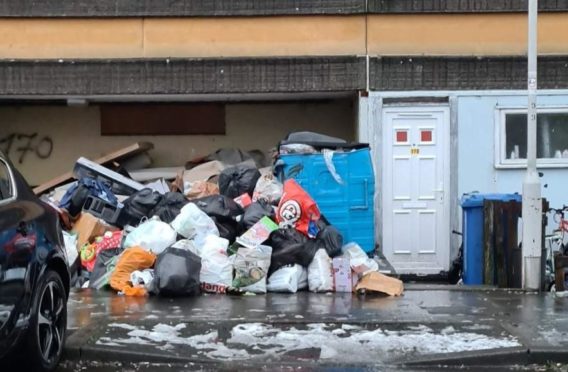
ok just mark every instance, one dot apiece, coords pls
pixel 429 326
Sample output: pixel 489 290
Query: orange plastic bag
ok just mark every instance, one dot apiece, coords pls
pixel 298 209
pixel 132 259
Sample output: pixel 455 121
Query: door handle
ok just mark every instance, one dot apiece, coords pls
pixel 22 228
pixel 441 191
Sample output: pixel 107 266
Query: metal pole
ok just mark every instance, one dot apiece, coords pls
pixel 532 202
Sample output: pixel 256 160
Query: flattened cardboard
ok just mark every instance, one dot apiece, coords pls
pixel 204 172
pixel 378 282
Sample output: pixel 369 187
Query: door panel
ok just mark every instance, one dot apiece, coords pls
pixel 415 210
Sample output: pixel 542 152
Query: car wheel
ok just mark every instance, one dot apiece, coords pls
pixel 48 325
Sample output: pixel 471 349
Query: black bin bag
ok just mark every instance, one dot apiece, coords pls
pixel 331 239
pixel 255 211
pixel 290 247
pixel 176 273
pixel 169 207
pixel 138 206
pixel 225 212
pixel 238 180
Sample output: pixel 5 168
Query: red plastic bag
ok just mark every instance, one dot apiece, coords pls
pixel 89 252
pixel 298 209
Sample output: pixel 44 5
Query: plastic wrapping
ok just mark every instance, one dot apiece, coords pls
pixel 192 223
pixel 216 268
pixel 268 189
pixel 359 261
pixel 288 279
pixel 153 235
pixel 320 273
pixel 251 268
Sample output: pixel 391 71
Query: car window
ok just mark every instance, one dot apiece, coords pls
pixel 6 187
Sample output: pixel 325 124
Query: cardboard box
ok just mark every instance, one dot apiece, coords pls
pixel 343 279
pixel 378 282
pixel 89 227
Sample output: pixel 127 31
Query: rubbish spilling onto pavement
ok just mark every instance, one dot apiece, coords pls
pixel 226 223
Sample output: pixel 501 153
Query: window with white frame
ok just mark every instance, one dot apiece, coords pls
pixel 552 138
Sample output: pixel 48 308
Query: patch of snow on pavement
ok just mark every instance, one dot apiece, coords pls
pixel 129 327
pixel 163 336
pixel 554 337
pixel 362 342
pixel 477 327
pixel 349 342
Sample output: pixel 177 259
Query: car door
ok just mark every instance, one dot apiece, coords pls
pixel 18 240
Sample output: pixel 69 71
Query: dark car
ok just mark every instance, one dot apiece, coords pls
pixel 34 278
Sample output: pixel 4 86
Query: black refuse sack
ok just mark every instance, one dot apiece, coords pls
pixel 176 273
pixel 330 239
pixel 238 180
pixel 170 206
pixel 255 211
pixel 290 247
pixel 225 212
pixel 139 205
pixel 219 206
pixel 229 230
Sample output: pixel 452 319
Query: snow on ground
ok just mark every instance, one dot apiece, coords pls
pixel 348 342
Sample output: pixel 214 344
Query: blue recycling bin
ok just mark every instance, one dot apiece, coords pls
pixel 472 227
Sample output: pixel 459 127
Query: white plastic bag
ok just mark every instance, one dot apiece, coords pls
pixel 216 273
pixel 251 267
pixel 142 278
pixel 359 261
pixel 188 245
pixel 152 235
pixel 328 158
pixel 192 223
pixel 320 273
pixel 70 241
pixel 303 279
pixel 288 279
pixel 267 188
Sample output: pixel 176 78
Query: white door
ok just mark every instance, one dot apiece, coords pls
pixel 415 179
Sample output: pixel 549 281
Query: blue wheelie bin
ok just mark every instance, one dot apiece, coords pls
pixel 472 227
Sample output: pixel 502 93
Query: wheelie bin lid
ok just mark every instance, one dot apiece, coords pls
pixel 476 199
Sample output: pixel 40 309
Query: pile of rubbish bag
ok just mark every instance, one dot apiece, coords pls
pixel 217 228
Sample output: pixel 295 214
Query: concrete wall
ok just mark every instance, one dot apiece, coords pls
pixel 464 34
pixel 75 131
pixel 385 35
pixel 476 148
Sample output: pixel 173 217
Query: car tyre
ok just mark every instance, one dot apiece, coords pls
pixel 48 325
